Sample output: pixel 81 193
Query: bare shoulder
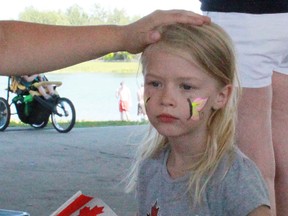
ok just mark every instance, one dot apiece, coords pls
pixel 261 211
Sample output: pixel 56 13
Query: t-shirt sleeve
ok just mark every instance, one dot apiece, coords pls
pixel 244 188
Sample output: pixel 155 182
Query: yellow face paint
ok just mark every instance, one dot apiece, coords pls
pixel 146 100
pixel 195 107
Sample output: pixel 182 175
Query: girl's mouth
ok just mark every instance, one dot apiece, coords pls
pixel 166 118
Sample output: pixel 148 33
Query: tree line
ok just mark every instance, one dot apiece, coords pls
pixel 77 16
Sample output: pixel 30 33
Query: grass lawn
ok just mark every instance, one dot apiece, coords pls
pixel 82 124
pixel 99 66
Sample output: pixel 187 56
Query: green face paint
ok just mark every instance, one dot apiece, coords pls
pixel 146 100
pixel 195 107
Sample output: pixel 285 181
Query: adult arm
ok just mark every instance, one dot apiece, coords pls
pixel 27 48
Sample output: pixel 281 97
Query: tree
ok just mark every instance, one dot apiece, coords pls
pixel 48 17
pixel 76 16
pixel 99 15
pixel 118 17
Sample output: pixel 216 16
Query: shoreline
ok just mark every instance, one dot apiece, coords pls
pixel 83 124
pixel 96 66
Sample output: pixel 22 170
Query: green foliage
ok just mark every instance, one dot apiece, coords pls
pixel 103 67
pixel 108 57
pixel 47 17
pixel 118 17
pixel 83 124
pixel 75 15
pixel 119 56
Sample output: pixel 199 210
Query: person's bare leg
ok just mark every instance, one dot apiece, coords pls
pixel 254 133
pixel 42 91
pixel 50 89
pixel 280 140
pixel 127 116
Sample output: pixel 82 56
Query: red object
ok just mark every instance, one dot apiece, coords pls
pixel 86 211
pixel 83 205
pixel 154 210
pixel 123 106
pixel 75 205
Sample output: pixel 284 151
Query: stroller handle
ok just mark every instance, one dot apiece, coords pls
pixel 43 83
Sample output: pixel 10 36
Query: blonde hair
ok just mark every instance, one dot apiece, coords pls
pixel 210 48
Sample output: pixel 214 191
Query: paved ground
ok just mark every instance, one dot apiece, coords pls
pixel 41 169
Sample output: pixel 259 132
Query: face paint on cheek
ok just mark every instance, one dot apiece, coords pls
pixel 190 108
pixel 195 107
pixel 146 99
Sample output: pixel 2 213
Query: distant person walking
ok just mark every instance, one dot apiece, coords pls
pixel 141 112
pixel 124 95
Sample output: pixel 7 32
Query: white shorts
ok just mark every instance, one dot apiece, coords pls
pixel 261 44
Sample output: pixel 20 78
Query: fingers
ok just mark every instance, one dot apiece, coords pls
pixel 153 36
pixel 144 31
pixel 162 17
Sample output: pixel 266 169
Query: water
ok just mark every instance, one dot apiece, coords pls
pixel 93 94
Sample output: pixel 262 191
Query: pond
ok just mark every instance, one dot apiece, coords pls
pixel 93 94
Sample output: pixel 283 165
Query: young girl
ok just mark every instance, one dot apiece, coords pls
pixel 190 165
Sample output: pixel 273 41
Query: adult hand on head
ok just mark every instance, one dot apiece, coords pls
pixel 27 48
pixel 144 31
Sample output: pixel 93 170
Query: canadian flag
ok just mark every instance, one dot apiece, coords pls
pixel 82 205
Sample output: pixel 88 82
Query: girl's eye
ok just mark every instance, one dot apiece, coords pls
pixel 154 84
pixel 186 87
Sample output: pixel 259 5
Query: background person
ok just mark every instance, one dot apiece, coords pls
pixel 124 95
pixel 261 41
pixel 141 112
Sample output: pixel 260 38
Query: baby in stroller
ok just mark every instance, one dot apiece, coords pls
pixel 32 107
pixel 47 91
pixel 33 87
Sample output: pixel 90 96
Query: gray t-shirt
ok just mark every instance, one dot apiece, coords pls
pixel 235 189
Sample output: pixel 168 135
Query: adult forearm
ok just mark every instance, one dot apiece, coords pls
pixel 27 48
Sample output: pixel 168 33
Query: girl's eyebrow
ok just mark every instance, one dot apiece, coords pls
pixel 179 78
pixel 194 79
pixel 152 75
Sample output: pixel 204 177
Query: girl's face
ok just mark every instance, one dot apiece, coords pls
pixel 171 84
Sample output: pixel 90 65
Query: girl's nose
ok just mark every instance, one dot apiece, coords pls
pixel 167 97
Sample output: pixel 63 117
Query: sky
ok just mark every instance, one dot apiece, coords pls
pixel 11 8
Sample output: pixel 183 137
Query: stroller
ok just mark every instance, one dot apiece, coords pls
pixel 33 109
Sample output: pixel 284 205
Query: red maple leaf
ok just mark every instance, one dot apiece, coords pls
pixel 86 211
pixel 154 210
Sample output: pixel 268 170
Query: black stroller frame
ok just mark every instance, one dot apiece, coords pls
pixel 34 110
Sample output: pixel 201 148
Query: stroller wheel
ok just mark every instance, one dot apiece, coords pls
pixel 41 125
pixel 4 114
pixel 64 115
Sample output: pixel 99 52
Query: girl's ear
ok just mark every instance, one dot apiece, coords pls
pixel 222 97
